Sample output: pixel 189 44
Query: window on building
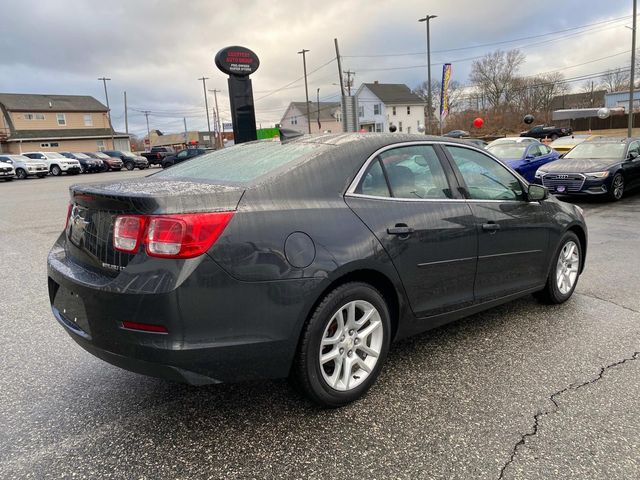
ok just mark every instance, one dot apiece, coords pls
pixel 378 127
pixel 361 111
pixel 399 126
pixel 54 144
pixel 34 116
pixel 62 120
pixel 44 145
pixel 100 145
pixel 294 120
pixel 376 109
pixel 338 116
pixel 88 120
pixel 408 129
pixel 408 110
pixel 393 110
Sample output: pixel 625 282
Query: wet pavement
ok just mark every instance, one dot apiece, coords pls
pixel 521 391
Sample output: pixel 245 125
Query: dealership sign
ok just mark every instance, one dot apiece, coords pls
pixel 239 61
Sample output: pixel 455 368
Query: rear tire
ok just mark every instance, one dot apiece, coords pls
pixel 554 137
pixel 343 345
pixel 565 271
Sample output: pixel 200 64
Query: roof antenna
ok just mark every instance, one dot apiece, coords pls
pixel 287 134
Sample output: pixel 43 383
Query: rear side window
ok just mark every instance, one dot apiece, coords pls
pixel 373 182
pixel 243 163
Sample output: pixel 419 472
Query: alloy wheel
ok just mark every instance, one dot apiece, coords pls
pixel 351 345
pixel 567 267
pixel 618 186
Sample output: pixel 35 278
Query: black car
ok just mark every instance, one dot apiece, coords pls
pixel 87 164
pixel 181 156
pixel 604 166
pixel 551 132
pixel 304 258
pixel 129 159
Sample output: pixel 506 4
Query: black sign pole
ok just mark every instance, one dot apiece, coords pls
pixel 239 63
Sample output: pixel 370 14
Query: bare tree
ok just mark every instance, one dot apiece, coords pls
pixel 495 74
pixel 455 94
pixel 615 80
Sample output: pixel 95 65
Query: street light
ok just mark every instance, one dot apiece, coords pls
pixel 429 113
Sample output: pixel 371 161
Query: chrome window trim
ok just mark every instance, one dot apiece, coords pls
pixel 354 184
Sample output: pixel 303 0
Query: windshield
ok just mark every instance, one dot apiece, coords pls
pixel 54 155
pixel 241 163
pixel 101 155
pixel 81 155
pixel 508 150
pixel 594 150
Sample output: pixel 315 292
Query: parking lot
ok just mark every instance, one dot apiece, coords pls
pixel 520 391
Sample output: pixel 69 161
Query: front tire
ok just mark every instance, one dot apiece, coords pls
pixel 21 173
pixel 56 171
pixel 343 345
pixel 617 187
pixel 565 271
pixel 129 166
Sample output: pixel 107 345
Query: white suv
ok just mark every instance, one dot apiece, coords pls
pixel 7 172
pixel 25 166
pixel 56 163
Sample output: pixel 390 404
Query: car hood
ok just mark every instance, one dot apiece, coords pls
pixel 568 165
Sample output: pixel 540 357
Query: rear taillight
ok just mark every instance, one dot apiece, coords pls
pixel 158 156
pixel 66 225
pixel 127 232
pixel 169 236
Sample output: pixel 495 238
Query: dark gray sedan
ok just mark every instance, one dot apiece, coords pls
pixel 305 258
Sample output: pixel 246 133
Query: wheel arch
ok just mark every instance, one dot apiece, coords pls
pixel 582 237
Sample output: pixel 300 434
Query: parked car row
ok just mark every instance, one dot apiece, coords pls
pixel 41 164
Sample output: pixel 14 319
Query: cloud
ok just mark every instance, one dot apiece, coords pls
pixel 156 50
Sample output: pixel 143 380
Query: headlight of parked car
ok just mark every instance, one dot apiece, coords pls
pixel 597 174
pixel 539 173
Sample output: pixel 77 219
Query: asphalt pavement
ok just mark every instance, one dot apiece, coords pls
pixel 522 391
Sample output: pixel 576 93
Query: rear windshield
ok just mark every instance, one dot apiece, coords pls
pixel 242 163
pixel 508 150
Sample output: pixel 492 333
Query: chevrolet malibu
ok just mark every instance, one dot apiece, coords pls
pixel 304 258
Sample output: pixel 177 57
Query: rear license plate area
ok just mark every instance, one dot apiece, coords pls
pixel 71 311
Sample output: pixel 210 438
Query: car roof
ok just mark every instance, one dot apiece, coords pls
pixel 604 139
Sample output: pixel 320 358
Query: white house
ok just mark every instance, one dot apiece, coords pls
pixel 325 117
pixel 381 105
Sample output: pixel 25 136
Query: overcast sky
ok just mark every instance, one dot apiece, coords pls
pixel 156 50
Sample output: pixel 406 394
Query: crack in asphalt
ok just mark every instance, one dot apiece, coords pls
pixel 556 406
pixel 590 295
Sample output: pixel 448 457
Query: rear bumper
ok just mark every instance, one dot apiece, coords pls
pixel 219 329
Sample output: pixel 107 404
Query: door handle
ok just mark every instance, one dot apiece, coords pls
pixel 490 227
pixel 400 229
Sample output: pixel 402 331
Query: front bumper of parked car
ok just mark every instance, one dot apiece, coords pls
pixel 574 183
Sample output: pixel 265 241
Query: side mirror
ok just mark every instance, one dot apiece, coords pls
pixel 633 155
pixel 537 193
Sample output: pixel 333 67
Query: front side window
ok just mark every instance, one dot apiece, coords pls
pixel 62 120
pixel 183 154
pixel 486 178
pixel 634 147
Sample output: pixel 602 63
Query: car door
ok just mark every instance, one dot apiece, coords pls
pixel 410 201
pixel 513 233
pixel 631 166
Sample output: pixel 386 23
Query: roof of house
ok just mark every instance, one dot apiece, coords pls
pixel 391 93
pixel 327 109
pixel 58 103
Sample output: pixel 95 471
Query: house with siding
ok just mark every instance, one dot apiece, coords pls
pixel 57 123
pixel 381 105
pixel 325 117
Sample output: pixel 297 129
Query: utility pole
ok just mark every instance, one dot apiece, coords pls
pixel 186 134
pixel 633 67
pixel 146 114
pixel 426 19
pixel 306 88
pixel 335 42
pixel 217 123
pixel 206 105
pixel 348 73
pixel 106 96
pixel 126 114
pixel 318 97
